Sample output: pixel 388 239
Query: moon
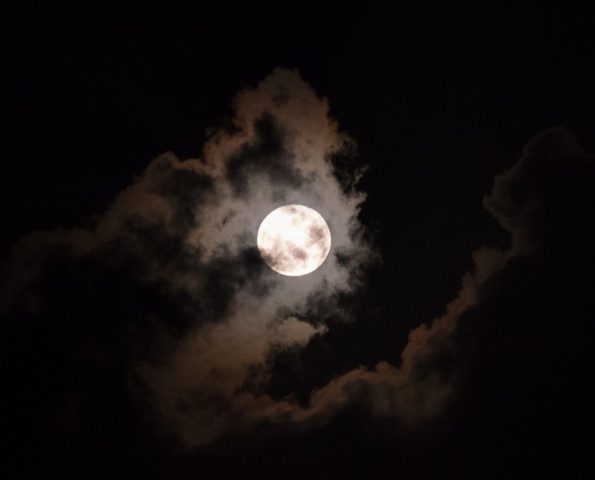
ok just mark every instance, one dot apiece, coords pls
pixel 294 240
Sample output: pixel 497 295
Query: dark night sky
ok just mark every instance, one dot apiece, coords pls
pixel 439 100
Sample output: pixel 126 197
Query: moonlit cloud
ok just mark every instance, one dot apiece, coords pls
pixel 188 228
pixel 171 270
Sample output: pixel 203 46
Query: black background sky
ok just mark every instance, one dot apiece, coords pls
pixel 439 99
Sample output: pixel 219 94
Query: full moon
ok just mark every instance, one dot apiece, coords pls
pixel 294 240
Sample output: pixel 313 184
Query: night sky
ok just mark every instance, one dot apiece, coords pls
pixel 449 332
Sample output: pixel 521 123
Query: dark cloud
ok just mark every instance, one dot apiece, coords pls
pixel 545 192
pixel 527 345
pixel 164 308
pixel 266 156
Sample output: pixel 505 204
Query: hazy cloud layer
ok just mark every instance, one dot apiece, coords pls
pixel 168 285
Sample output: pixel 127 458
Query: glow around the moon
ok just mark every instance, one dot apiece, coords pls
pixel 294 240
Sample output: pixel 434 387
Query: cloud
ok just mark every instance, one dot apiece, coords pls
pixel 185 232
pixel 545 202
pixel 538 196
pixel 168 289
pixel 526 348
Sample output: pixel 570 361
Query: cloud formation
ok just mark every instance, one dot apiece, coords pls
pixel 167 286
pixel 187 230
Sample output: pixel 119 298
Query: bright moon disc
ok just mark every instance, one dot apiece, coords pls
pixel 294 240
